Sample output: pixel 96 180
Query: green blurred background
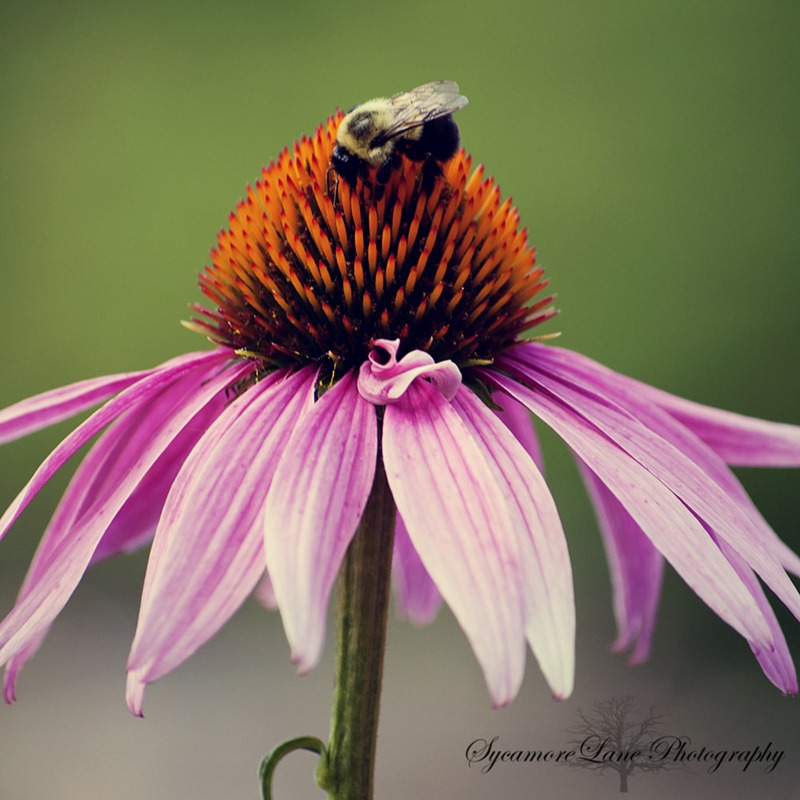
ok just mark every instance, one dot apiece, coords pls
pixel 652 151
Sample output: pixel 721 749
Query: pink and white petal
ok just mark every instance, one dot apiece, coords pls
pixel 382 379
pixel 738 439
pixel 776 662
pixel 15 665
pixel 518 420
pixel 456 518
pixel 111 458
pixel 313 507
pixel 139 393
pixel 687 441
pixel 709 460
pixel 97 477
pixel 416 595
pixel 207 554
pixel 550 600
pixel 135 522
pixel 48 408
pixel 636 568
pixel 68 558
pixel 655 509
pixel 265 593
pixel 630 395
pixel 676 469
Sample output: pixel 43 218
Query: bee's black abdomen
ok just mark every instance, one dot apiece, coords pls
pixel 438 140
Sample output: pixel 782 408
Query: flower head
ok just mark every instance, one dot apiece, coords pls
pixel 386 322
pixel 306 275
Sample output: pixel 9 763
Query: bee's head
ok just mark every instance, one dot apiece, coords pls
pixel 345 164
pixel 359 126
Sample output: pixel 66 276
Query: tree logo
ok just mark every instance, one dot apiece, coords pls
pixel 615 737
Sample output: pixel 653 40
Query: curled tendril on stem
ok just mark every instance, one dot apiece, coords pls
pixel 268 765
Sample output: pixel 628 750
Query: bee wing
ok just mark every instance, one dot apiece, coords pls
pixel 427 90
pixel 423 104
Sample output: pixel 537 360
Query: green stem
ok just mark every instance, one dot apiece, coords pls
pixel 363 602
pixel 281 751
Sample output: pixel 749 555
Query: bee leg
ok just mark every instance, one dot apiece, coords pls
pixel 385 169
pixel 334 194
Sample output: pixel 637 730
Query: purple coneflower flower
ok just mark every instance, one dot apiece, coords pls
pixel 389 326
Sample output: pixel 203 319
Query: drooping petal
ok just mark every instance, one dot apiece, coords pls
pixel 676 466
pixel 114 455
pixel 738 439
pixel 135 523
pixel 15 665
pixel 777 661
pixel 207 554
pixel 48 408
pixel 456 518
pixel 97 477
pixel 265 593
pixel 68 558
pixel 631 395
pixel 139 393
pixel 550 602
pixel 655 509
pixel 518 420
pixel 636 569
pixel 416 595
pixel 321 487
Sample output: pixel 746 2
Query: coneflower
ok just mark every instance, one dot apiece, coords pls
pixel 373 352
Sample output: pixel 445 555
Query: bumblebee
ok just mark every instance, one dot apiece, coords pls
pixel 418 124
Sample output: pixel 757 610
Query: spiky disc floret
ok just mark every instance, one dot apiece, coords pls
pixel 310 269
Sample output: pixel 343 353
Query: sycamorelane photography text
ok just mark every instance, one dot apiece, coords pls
pixel 679 750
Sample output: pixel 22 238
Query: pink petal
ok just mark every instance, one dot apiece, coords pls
pixel 383 379
pixel 636 569
pixel 113 455
pixel 134 395
pixel 48 408
pixel 456 517
pixel 631 396
pixel 416 595
pixel 265 593
pixel 66 560
pixel 777 662
pixel 672 528
pixel 550 603
pixel 738 439
pixel 136 521
pixel 675 461
pixel 207 554
pixel 321 487
pixel 15 665
pixel 518 420
pixel 96 478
